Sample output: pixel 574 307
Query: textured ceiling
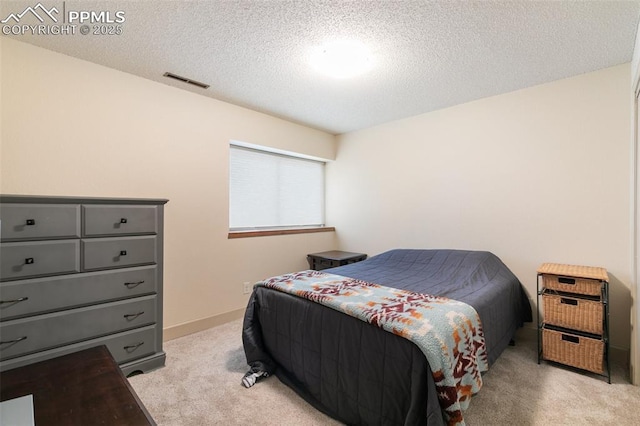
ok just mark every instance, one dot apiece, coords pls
pixel 428 55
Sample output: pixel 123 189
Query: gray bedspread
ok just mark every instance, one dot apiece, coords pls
pixel 360 374
pixel 477 278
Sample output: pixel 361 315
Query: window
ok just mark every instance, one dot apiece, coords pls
pixel 269 190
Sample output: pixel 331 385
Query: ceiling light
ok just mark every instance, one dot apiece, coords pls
pixel 341 59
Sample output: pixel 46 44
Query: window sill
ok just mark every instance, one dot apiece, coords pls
pixel 268 233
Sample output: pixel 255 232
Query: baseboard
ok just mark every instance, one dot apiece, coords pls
pixel 619 356
pixel 528 331
pixel 191 327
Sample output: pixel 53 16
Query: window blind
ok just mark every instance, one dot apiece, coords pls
pixel 268 190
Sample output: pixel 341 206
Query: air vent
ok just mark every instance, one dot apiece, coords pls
pixel 186 80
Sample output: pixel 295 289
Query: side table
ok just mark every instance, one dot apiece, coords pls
pixel 81 388
pixel 333 259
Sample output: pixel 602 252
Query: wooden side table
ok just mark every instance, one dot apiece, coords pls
pixel 333 259
pixel 81 388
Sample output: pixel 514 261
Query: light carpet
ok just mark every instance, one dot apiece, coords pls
pixel 201 385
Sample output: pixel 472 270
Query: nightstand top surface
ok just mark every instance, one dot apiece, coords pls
pixel 591 272
pixel 336 255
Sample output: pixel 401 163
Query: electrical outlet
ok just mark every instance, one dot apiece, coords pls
pixel 247 287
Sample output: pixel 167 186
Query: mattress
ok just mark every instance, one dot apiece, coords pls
pixel 360 374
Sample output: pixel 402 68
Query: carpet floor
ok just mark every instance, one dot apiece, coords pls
pixel 200 385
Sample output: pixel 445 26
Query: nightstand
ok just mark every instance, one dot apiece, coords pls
pixel 575 327
pixel 333 259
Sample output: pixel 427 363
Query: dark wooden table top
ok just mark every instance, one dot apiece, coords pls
pixel 82 388
pixel 336 255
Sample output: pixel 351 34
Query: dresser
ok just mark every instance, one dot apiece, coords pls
pixel 574 329
pixel 81 272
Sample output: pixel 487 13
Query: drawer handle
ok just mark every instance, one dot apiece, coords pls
pixel 135 284
pixel 31 222
pixel 131 348
pixel 566 301
pixel 572 339
pixel 133 316
pixel 19 339
pixel 123 252
pixel 21 299
pixel 29 261
pixel 563 280
pixel 123 220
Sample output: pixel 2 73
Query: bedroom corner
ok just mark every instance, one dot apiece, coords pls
pixel 634 358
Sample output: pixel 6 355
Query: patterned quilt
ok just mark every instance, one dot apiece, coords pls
pixel 448 332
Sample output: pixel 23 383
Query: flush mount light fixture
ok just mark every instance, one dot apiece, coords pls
pixel 341 59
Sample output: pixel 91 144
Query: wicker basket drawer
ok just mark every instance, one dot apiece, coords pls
pixel 572 284
pixel 575 313
pixel 570 349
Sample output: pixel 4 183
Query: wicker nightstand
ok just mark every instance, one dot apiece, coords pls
pixel 333 259
pixel 575 304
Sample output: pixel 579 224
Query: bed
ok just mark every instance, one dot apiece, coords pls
pixel 358 373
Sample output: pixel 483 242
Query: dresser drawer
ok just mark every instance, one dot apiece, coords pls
pixel 23 336
pixel 124 347
pixel 132 344
pixel 30 259
pixel 39 221
pixel 102 253
pixel 41 295
pixel 117 220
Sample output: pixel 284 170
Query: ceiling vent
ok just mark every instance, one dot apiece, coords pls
pixel 186 80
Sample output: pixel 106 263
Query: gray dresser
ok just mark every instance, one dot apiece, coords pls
pixel 81 272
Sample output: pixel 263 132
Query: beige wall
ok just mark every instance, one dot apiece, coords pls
pixel 76 128
pixel 537 175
